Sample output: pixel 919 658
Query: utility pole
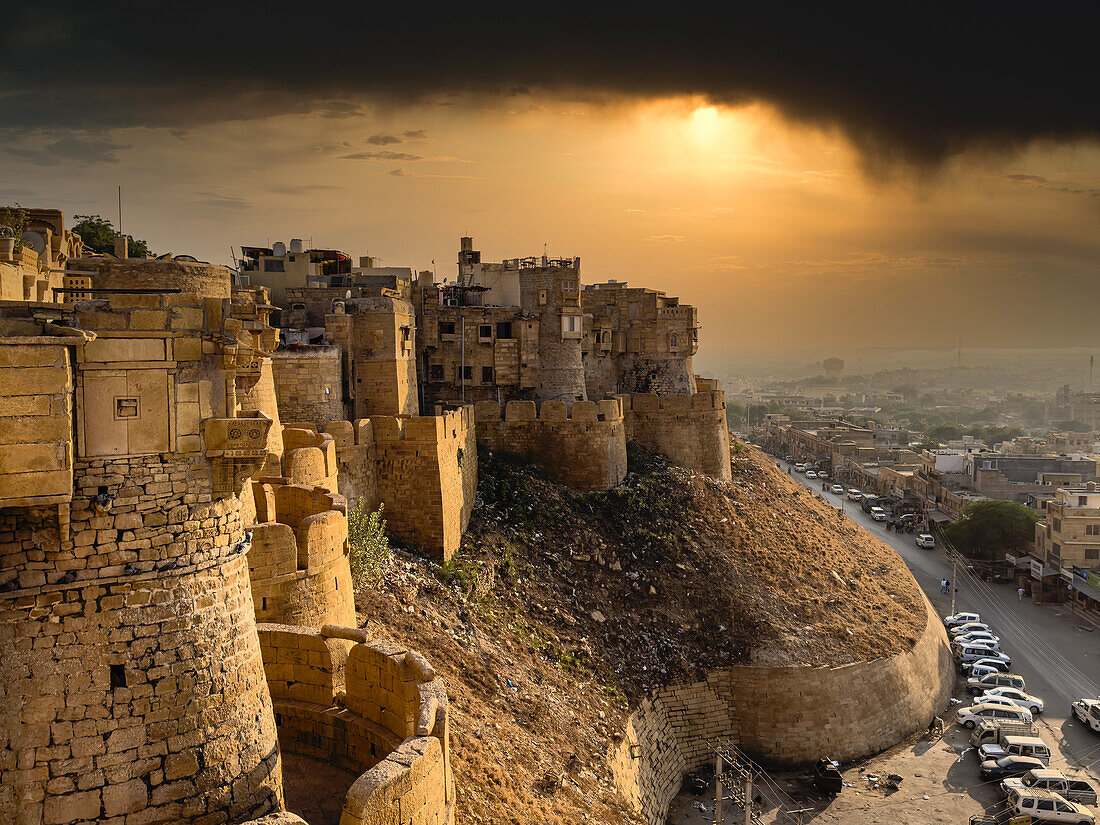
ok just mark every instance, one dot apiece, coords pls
pixel 748 798
pixel 463 374
pixel 718 790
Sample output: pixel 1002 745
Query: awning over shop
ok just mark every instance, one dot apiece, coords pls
pixel 937 517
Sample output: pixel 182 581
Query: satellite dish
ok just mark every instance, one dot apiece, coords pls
pixel 35 241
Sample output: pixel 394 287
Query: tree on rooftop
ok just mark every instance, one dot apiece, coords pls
pixel 99 234
pixel 989 529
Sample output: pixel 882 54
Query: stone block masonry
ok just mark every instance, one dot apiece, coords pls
pixel 781 716
pixel 372 707
pixel 584 448
pixel 309 384
pixel 690 430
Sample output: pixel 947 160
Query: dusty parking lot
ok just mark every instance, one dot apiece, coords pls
pixel 940 782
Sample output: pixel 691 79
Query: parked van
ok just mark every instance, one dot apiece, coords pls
pixel 878 514
pixel 993 731
pixel 1031 746
pixel 1075 790
pixel 1046 806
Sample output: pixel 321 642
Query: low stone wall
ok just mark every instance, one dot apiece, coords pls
pixel 781 716
pixel 690 430
pixel 583 448
pixel 364 706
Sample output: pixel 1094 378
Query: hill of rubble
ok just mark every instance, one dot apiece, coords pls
pixel 562 610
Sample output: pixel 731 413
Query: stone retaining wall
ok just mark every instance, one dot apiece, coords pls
pixel 781 716
pixel 690 430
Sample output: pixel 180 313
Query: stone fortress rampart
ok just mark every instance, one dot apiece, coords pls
pixel 783 717
pixel 369 707
pixel 689 429
pixel 583 447
pixel 309 384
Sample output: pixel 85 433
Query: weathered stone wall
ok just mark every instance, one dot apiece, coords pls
pixel 364 706
pixel 139 697
pixel 782 716
pixel 357 461
pixel 298 560
pixel 584 448
pixel 691 430
pixel 427 476
pixel 663 375
pixel 309 384
pixel 553 293
pixel 309 457
pixel 257 394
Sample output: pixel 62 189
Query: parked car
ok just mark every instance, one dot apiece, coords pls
pixel 980 684
pixel 1088 711
pixel 961 618
pixel 1031 746
pixel 907 518
pixel 811 474
pixel 822 474
pixel 800 468
pixel 836 490
pixel 974 637
pixel 926 541
pixel 977 652
pixel 969 627
pixel 868 501
pixel 1046 806
pixel 999 661
pixel 1080 791
pixel 1016 697
pixel 1008 766
pixel 878 514
pixel 968 717
pixel 854 494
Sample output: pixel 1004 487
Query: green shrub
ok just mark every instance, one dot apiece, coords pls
pixel 369 549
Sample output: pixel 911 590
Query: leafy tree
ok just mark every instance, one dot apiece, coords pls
pixel 14 219
pixel 99 234
pixel 946 432
pixel 989 529
pixel 928 443
pixel 907 391
pixel 369 549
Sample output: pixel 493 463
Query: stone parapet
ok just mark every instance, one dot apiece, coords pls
pixel 309 384
pixel 298 558
pixel 689 429
pixel 583 447
pixel 365 706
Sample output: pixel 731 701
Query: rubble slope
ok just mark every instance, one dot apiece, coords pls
pixel 564 609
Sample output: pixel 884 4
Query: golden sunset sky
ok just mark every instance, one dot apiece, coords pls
pixel 785 226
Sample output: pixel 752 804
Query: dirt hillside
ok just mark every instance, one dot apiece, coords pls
pixel 564 609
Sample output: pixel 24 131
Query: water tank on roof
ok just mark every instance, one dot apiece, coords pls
pixel 296 246
pixel 279 249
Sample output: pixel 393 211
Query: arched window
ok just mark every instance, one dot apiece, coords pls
pixel 673 341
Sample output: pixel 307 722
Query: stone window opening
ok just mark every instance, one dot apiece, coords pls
pixel 486 375
pixel 1092 529
pixel 673 341
pixel 435 372
pixel 118 676
pixel 504 329
pixel 263 603
pixel 485 332
pixel 1092 552
pixel 1082 501
pixel 446 328
pixel 467 373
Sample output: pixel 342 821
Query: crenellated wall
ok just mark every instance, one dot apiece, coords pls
pixel 309 457
pixel 298 560
pixel 782 716
pixel 584 448
pixel 356 459
pixel 690 430
pixel 364 706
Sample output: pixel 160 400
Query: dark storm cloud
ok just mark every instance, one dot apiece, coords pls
pixel 383 140
pixel 81 151
pixel 384 154
pixel 916 82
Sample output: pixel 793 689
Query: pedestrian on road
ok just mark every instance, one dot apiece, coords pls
pixel 947 585
pixel 943 585
pixel 1020 594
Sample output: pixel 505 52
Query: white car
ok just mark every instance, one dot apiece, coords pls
pixel 822 474
pixel 836 490
pixel 926 541
pixel 854 495
pixel 1046 806
pixel 969 717
pixel 878 514
pixel 999 662
pixel 979 654
pixel 975 637
pixel 961 618
pixel 1015 696
pixel 811 474
pixel 969 627
pixel 800 468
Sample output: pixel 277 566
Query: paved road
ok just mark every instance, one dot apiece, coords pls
pixel 1059 658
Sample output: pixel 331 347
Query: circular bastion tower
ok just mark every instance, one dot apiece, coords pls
pixel 132 687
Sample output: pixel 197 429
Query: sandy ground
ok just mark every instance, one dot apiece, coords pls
pixel 315 790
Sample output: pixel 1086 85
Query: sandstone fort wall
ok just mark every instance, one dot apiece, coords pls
pixel 371 707
pixel 691 430
pixel 309 384
pixel 584 448
pixel 781 716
